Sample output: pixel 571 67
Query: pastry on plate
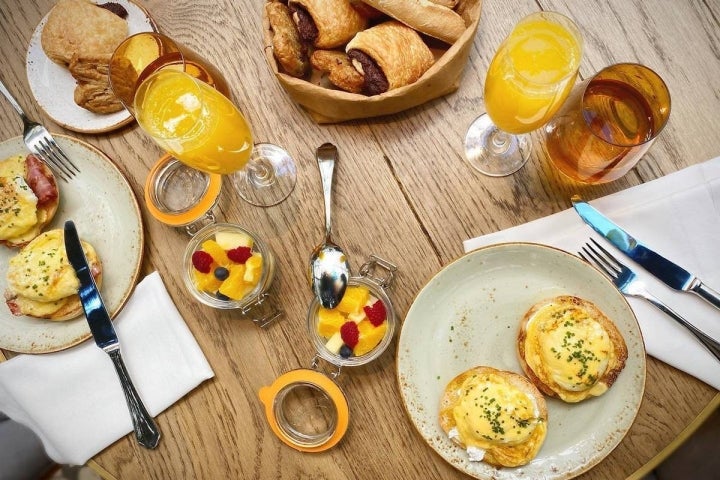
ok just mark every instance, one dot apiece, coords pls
pixel 29 198
pixel 81 27
pixel 570 349
pixel 498 416
pixel 326 23
pixel 389 55
pixel 41 283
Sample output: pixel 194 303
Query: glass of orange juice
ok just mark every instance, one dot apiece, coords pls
pixel 529 77
pixel 184 104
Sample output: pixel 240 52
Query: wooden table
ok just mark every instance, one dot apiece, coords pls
pixel 403 191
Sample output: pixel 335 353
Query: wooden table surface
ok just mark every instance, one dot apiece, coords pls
pixel 403 191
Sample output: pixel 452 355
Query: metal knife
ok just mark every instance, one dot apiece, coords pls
pixel 146 430
pixel 668 272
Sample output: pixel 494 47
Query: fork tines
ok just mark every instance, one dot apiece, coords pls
pixel 53 155
pixel 604 259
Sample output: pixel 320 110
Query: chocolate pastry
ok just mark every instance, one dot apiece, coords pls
pixel 335 21
pixel 289 51
pixel 398 52
pixel 340 70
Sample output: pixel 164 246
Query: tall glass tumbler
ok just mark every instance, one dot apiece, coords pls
pixel 608 123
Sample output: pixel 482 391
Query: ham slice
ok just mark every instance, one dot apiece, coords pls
pixel 40 181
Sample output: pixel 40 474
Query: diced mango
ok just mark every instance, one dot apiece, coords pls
pixel 253 268
pixel 370 337
pixel 329 321
pixel 216 251
pixel 354 299
pixel 234 286
pixel 230 240
pixel 207 282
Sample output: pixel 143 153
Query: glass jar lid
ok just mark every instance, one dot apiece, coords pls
pixel 306 410
pixel 178 195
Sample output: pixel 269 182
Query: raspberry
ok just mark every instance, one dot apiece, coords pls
pixel 202 261
pixel 376 313
pixel 239 254
pixel 350 334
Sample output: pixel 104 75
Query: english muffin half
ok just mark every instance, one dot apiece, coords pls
pixel 41 283
pixel 29 199
pixel 570 349
pixel 498 416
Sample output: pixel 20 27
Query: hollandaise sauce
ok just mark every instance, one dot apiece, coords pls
pixel 569 347
pixel 491 411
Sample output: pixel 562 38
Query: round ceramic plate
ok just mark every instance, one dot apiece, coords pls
pixel 53 86
pixel 101 203
pixel 469 314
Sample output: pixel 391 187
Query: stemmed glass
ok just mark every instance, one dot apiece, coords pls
pixel 183 103
pixel 529 77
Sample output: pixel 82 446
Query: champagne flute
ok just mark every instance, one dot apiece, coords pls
pixel 183 103
pixel 529 77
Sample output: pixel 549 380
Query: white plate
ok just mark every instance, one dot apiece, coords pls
pixel 53 86
pixel 106 213
pixel 469 314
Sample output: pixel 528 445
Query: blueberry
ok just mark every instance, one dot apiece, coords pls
pixel 345 351
pixel 221 273
pixel 221 296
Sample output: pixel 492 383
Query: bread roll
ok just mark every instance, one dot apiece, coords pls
pixel 499 417
pixel 335 21
pixel 570 349
pixel 425 16
pixel 396 49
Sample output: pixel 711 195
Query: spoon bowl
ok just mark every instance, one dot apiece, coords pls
pixel 329 267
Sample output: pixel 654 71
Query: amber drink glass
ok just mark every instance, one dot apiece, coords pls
pixel 608 123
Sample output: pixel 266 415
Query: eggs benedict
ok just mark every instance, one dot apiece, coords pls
pixel 41 282
pixel 29 198
pixel 570 349
pixel 498 416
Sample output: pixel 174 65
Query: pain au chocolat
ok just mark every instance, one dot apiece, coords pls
pixel 326 23
pixel 389 55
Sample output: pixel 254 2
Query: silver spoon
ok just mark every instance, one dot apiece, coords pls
pixel 329 267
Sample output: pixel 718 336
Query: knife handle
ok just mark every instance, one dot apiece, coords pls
pixel 707 294
pixel 146 430
pixel 710 343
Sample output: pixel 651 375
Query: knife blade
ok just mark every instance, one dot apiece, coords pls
pixel 671 274
pixel 101 327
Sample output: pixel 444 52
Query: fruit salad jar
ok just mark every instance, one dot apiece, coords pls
pixel 180 196
pixel 305 408
pixel 229 267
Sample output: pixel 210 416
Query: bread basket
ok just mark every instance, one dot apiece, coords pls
pixel 328 105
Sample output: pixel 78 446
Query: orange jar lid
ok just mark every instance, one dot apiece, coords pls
pixel 178 195
pixel 306 410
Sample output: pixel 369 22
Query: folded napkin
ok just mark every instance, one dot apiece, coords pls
pixel 678 216
pixel 73 400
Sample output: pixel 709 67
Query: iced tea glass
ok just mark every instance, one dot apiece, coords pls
pixel 608 123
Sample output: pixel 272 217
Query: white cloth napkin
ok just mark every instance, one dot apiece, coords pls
pixel 678 216
pixel 73 400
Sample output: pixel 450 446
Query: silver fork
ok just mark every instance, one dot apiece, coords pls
pixel 39 141
pixel 627 282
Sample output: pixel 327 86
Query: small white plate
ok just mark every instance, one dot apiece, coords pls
pixel 107 215
pixel 53 86
pixel 468 315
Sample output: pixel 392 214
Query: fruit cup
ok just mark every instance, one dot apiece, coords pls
pixel 306 408
pixel 229 267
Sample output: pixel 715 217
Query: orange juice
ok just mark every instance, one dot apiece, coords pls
pixel 532 72
pixel 194 122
